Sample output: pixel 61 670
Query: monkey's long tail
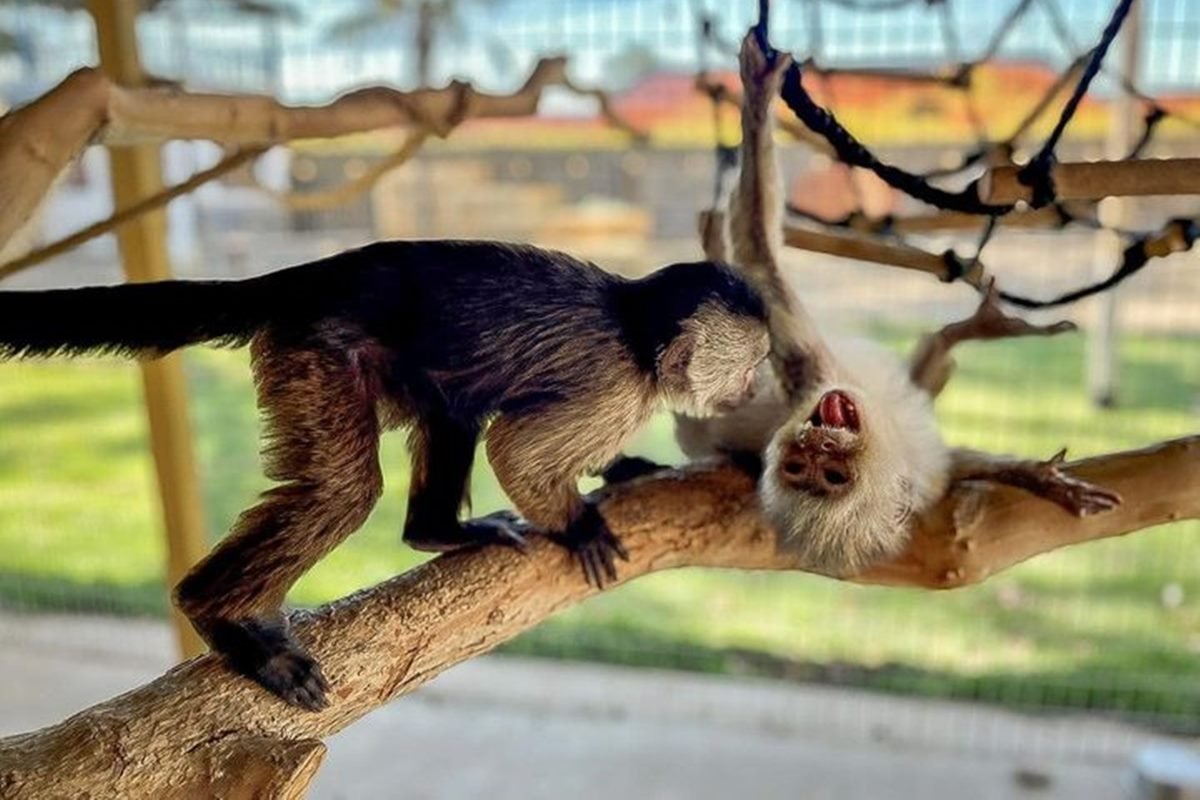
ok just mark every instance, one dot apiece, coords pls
pixel 148 319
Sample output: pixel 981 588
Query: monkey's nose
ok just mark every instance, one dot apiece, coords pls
pixel 795 467
pixel 834 478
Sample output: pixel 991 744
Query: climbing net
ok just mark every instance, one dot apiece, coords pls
pixel 982 162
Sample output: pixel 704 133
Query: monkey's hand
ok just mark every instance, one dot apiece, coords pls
pixel 595 546
pixel 501 527
pixel 991 322
pixel 1076 496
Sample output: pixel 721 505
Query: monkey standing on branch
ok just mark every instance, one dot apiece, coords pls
pixel 849 446
pixel 564 359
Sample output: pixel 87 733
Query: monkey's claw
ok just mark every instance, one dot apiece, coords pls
pixel 595 547
pixel 296 677
pixel 1074 495
pixel 991 322
pixel 264 650
pixel 501 527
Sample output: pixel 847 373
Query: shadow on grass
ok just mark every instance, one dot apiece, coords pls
pixel 25 592
pixel 1168 704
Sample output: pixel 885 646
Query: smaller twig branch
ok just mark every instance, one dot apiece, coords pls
pixel 346 192
pixel 39 140
pixel 945 266
pixel 1096 179
pixel 156 200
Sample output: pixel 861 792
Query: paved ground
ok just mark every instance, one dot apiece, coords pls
pixel 513 728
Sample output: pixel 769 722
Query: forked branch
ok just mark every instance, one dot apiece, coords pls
pixel 39 140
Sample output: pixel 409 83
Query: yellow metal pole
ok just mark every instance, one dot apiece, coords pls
pixel 137 174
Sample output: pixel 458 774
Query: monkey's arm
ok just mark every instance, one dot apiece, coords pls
pixel 931 364
pixel 1042 478
pixel 755 224
pixel 538 457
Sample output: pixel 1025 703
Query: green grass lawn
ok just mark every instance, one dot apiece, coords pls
pixel 1086 627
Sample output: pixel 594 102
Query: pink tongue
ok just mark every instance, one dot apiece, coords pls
pixel 833 410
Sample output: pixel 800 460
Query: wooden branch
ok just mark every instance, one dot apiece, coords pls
pixel 1096 179
pixel 156 200
pixel 39 140
pixel 344 193
pixel 878 252
pixel 200 731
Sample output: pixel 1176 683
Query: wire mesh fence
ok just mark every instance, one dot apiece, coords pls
pixel 1111 627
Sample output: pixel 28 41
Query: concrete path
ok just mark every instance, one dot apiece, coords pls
pixel 503 728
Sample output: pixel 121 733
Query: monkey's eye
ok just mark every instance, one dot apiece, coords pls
pixel 835 478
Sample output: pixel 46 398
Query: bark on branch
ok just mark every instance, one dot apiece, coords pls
pixel 39 140
pixel 201 731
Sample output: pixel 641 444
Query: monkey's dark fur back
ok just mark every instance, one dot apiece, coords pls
pixel 440 337
pixel 445 309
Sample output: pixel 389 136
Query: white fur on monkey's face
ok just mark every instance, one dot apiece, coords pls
pixel 836 483
pixel 712 365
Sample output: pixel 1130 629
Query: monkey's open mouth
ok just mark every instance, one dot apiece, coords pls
pixel 836 410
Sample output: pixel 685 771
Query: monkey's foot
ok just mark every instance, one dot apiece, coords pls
pixel 991 322
pixel 1076 496
pixel 762 72
pixel 627 468
pixel 502 527
pixel 595 546
pixel 263 650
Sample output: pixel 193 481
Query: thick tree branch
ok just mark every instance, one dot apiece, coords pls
pixel 176 735
pixel 39 140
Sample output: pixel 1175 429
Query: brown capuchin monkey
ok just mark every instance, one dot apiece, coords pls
pixel 844 433
pixel 563 359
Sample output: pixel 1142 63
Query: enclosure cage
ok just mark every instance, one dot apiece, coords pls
pixel 1110 629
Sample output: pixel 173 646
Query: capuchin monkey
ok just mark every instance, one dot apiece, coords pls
pixel 843 432
pixel 563 359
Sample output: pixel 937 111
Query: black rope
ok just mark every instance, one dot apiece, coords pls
pixel 1037 173
pixel 853 152
pixel 1154 115
pixel 762 30
pixel 1134 257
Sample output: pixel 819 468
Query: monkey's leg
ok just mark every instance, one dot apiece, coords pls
pixel 1042 478
pixel 537 459
pixel 322 440
pixel 443 450
pixel 931 364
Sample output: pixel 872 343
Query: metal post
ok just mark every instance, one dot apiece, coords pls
pixel 1103 359
pixel 137 173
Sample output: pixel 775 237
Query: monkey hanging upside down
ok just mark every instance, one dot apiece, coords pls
pixel 843 432
pixel 563 359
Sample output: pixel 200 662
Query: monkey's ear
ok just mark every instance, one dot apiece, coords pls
pixel 674 362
